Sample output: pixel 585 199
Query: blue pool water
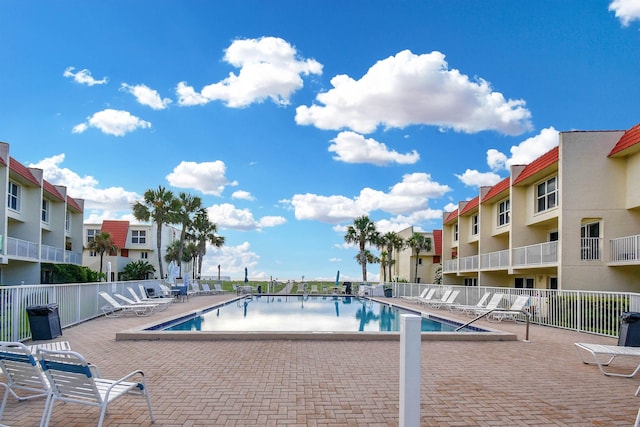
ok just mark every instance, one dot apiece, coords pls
pixel 297 313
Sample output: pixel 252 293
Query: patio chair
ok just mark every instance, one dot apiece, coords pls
pixel 493 304
pixel 443 298
pixel 314 289
pixel 424 296
pixel 195 288
pixel 206 289
pixel 165 291
pixel 510 314
pixel 73 380
pixel 128 302
pixel 463 308
pixel 20 367
pixel 446 303
pixel 161 303
pixel 603 355
pixel 115 309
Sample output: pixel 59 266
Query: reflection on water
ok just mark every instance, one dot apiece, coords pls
pixel 303 313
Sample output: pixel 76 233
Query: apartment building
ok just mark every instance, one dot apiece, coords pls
pixel 135 242
pixel 405 260
pixel 568 220
pixel 40 224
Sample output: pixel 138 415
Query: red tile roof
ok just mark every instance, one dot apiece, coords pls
pixel 630 138
pixel 452 215
pixel 22 170
pixel 437 241
pixel 470 205
pixel 52 190
pixel 497 189
pixel 118 230
pixel 547 159
pixel 71 202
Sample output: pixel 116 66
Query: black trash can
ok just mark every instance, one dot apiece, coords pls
pixel 388 292
pixel 44 321
pixel 629 329
pixel 259 289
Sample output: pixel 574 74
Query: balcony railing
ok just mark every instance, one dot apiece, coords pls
pixel 50 253
pixel 22 248
pixel 469 263
pixel 625 249
pixel 540 254
pixel 590 248
pixel 495 260
pixel 73 257
pixel 450 266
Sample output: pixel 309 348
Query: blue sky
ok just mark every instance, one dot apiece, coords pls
pixel 291 118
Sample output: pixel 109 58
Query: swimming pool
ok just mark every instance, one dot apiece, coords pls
pixel 298 313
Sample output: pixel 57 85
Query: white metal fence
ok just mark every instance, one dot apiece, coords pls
pixel 76 302
pixel 584 311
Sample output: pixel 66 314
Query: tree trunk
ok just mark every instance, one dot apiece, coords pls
pixel 159 248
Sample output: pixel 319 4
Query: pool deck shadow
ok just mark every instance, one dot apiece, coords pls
pixel 331 383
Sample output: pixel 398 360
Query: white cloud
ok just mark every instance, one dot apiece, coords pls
pixel 352 147
pixel 146 96
pixel 228 216
pixel 104 202
pixel 232 261
pixel 473 178
pixel 406 197
pixel 411 89
pixel 450 207
pixel 242 195
pixel 206 177
pixel 270 68
pixel 525 152
pixel 626 10
pixel 83 77
pixel 112 122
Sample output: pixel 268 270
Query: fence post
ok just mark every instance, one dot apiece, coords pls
pixel 410 352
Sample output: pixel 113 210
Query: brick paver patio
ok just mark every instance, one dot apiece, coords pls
pixel 343 383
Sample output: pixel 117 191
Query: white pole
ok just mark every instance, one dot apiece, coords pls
pixel 410 349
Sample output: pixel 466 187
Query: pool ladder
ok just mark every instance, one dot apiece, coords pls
pixel 526 313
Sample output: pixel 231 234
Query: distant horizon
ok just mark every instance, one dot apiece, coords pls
pixel 291 121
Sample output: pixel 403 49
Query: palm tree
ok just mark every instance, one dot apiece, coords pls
pixel 189 206
pixel 362 232
pixel 160 206
pixel 395 243
pixel 384 262
pixel 138 270
pixel 419 242
pixel 102 243
pixel 202 232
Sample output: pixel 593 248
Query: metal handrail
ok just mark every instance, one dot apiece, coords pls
pixel 528 316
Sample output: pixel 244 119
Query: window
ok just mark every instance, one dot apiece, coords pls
pixel 419 261
pixel 553 236
pixel 547 195
pixel 455 233
pixel 139 237
pixel 474 225
pixel 93 253
pixel 471 281
pixel 45 211
pixel 67 222
pixel 13 196
pixel 524 282
pixel 124 253
pixel 436 259
pixel 144 255
pixel 503 212
pixel 91 234
pixel 590 243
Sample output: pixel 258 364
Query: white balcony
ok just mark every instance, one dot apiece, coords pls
pixel 469 263
pixel 536 255
pixel 450 266
pixel 498 260
pixel 625 250
pixel 50 253
pixel 22 248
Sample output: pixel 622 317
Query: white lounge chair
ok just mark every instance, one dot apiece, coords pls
pixel 73 380
pixel 206 289
pixel 314 289
pixel 161 303
pixel 603 355
pixel 115 309
pixel 493 304
pixel 218 288
pixel 510 313
pixel 423 294
pixel 450 301
pixel 22 373
pixel 443 298
pixel 465 307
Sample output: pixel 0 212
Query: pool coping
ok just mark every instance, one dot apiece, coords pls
pixel 140 332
